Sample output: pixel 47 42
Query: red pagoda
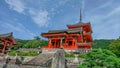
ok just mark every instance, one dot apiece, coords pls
pixel 76 38
pixel 6 41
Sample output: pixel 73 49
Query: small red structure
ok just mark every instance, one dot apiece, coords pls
pixel 76 37
pixel 6 40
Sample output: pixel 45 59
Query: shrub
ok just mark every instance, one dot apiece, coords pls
pixel 31 53
pixel 81 55
pixel 100 58
pixel 115 47
pixel 68 55
pixel 12 53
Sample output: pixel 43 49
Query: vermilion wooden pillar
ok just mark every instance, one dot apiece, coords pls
pixel 5 44
pixel 49 43
pixel 6 40
pixel 61 46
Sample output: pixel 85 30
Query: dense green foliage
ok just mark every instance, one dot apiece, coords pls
pixel 81 55
pixel 31 53
pixel 35 43
pixel 101 43
pixel 100 58
pixel 21 44
pixel 68 55
pixel 38 43
pixel 115 47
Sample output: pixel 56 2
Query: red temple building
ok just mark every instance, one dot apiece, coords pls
pixel 6 41
pixel 76 38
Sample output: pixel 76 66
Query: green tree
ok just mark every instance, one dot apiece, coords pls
pixel 35 43
pixel 20 44
pixel 102 43
pixel 115 47
pixel 99 58
pixel 68 55
pixel 37 38
pixel 32 44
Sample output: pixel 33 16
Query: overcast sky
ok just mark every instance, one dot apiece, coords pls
pixel 29 18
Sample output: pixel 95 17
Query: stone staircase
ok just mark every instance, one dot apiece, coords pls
pixel 39 61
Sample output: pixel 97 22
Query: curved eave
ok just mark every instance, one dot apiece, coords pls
pixel 78 24
pixel 13 41
pixel 89 35
pixel 47 35
pixel 7 35
pixel 9 40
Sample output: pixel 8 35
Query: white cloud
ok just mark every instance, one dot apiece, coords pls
pixel 108 30
pixel 105 26
pixel 116 10
pixel 62 2
pixel 105 29
pixel 106 4
pixel 16 5
pixel 39 17
pixel 25 30
pixel 10 26
pixel 83 4
pixel 19 29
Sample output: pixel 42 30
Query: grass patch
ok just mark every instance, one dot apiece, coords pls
pixel 68 55
pixel 31 53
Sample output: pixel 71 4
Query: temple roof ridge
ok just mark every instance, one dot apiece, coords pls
pixel 74 30
pixel 6 35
